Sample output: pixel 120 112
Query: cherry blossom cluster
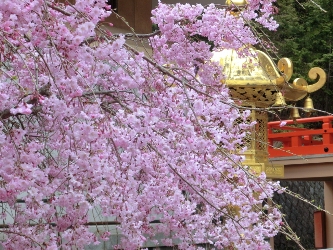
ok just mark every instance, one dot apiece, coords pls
pixel 105 130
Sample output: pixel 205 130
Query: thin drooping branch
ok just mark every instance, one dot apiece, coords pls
pixel 43 91
pixel 52 6
pixel 318 6
pixel 126 35
pixel 110 104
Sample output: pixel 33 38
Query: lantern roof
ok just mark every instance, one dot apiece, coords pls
pixel 250 68
pixel 252 76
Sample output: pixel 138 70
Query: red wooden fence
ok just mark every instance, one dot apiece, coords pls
pixel 294 141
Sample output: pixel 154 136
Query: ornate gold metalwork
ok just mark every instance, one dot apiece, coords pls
pixel 256 157
pixel 314 73
pixel 236 2
pixel 256 78
pixel 285 66
pixel 294 114
pixel 274 171
pixel 280 101
pixel 300 88
pixel 258 82
pixel 251 79
pixel 308 104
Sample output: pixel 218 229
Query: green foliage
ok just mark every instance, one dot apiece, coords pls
pixel 305 36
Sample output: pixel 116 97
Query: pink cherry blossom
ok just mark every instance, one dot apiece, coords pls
pixel 283 123
pixel 22 108
pixel 104 132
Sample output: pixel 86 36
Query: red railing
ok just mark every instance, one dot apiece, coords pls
pixel 294 141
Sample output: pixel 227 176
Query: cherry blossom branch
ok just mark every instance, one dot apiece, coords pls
pixel 88 128
pixel 52 6
pixel 157 32
pixel 183 179
pixel 22 235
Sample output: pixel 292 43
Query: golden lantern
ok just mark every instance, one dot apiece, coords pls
pixel 259 83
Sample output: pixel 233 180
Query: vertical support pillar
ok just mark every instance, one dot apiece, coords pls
pixel 143 9
pixel 296 141
pixel 271 242
pixel 327 136
pixel 136 12
pixel 320 229
pixel 328 198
